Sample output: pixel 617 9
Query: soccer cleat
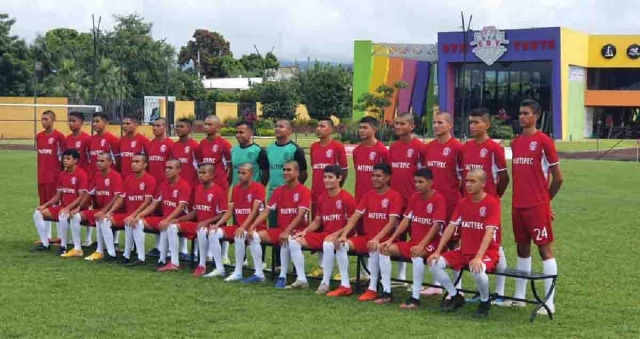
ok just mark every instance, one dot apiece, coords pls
pixel 109 258
pixel 88 243
pixel 215 274
pixel 73 253
pixel 431 292
pixel 153 253
pixel 245 263
pixel 51 241
pixel 298 285
pixel 95 256
pixel 226 261
pixel 340 292
pixel 453 304
pixel 234 277
pixel 135 263
pixel 116 246
pixel 518 304
pixel 169 268
pixel 185 257
pixel 160 264
pixel 384 298
pixel 41 248
pixel 199 271
pixel 502 303
pixel 62 250
pixel 337 276
pixel 316 273
pixel 322 289
pixel 460 293
pixel 126 261
pixel 483 309
pixel 369 295
pixel 253 280
pixel 411 303
pixel 543 311
pixel 281 283
pixel 473 300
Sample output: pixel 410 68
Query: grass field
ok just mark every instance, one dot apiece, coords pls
pixel 46 296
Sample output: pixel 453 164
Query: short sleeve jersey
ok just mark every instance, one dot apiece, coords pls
pixel 130 147
pixel 287 201
pixel 445 161
pixel 364 158
pixel 170 196
pixel 279 155
pixel 218 153
pixel 424 213
pixel 209 202
pixel 104 188
pixel 472 220
pixel 533 156
pixel 488 156
pixel 188 153
pixel 82 142
pixel 159 153
pixel 50 148
pixel 252 154
pixel 377 209
pixel 106 143
pixel 137 190
pixel 243 200
pixel 321 157
pixel 335 211
pixel 71 184
pixel 405 159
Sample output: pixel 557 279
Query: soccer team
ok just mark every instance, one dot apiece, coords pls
pixel 435 204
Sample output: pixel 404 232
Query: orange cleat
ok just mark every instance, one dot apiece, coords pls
pixel 369 295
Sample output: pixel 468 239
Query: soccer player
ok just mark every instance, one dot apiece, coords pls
pixel 159 150
pixel 73 186
pixel 107 188
pixel 173 195
pixel 534 158
pixel 246 151
pixel 368 153
pixel 443 156
pixel 426 214
pixel 50 145
pixel 78 139
pixel 485 154
pixel 139 189
pixel 247 200
pixel 380 210
pixel 131 143
pixel 292 203
pixel 478 218
pixel 334 208
pixel 187 151
pixel 282 151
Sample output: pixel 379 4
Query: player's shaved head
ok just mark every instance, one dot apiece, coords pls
pixel 294 164
pixel 50 113
pixel 247 166
pixel 481 113
pixel 105 156
pixel 214 118
pixel 408 117
pixel 286 123
pixel 446 116
pixel 174 162
pixel 161 120
pixel 479 174
pixel 208 167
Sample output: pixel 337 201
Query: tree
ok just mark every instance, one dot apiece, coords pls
pixel 279 99
pixel 69 81
pixel 379 100
pixel 212 46
pixel 16 62
pixel 326 90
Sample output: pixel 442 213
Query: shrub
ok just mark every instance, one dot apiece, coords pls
pixel 228 131
pixel 262 123
pixel 230 122
pixel 500 128
pixel 265 132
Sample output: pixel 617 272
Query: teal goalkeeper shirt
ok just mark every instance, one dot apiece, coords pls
pixel 278 155
pixel 252 154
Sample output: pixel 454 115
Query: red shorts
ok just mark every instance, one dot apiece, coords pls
pixel 274 235
pixel 46 192
pixel 118 220
pixel 153 222
pixel 533 223
pixel 229 231
pixel 405 247
pixel 55 211
pixel 316 239
pixel 457 261
pixel 360 243
pixel 189 229
pixel 90 216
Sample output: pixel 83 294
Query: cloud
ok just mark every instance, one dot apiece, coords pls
pixel 319 29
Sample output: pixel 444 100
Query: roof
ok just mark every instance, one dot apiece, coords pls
pixel 230 83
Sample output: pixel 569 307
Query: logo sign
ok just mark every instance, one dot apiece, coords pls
pixel 163 148
pixel 409 152
pixel 385 203
pixel 187 149
pixel 133 144
pixel 430 208
pixel 446 151
pixel 533 145
pixel 608 51
pixel 215 148
pixel 142 186
pixel 103 143
pixel 489 44
pixel 296 197
pixel 175 193
pixel 209 197
pixel 339 204
pixel 372 156
pixel 483 152
pixel 107 182
pixel 249 197
pixel 483 211
pixel 78 144
pixel 73 180
pixel 329 153
pixel 633 52
pixel 51 141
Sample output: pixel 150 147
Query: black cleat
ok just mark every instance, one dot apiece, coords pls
pixel 153 253
pixel 136 263
pixel 109 258
pixel 62 250
pixel 453 304
pixel 483 309
pixel 41 248
pixel 160 264
pixel 411 303
pixel 126 261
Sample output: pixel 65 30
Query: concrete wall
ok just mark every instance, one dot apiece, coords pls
pixel 574 57
pixel 361 72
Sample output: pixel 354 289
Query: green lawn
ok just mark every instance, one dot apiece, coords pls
pixel 46 296
pixel 592 145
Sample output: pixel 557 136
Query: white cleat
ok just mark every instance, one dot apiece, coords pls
pixel 543 311
pixel 234 277
pixel 214 274
pixel 503 303
pixel 518 304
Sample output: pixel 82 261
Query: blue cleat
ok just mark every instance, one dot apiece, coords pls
pixel 185 257
pixel 254 279
pixel 281 283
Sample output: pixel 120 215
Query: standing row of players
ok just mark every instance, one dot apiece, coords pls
pixel 447 159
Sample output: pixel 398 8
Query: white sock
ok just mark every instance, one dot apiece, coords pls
pixel 128 242
pixel 402 271
pixel 99 239
pixel 240 250
pixel 550 266
pixel 482 282
pixel 163 247
pixel 385 272
pixel 225 250
pixel 172 234
pixel 138 239
pixel 216 248
pixel 184 246
pixel 285 258
pixel 455 276
pixel 48 225
pixel 157 241
pixel 63 225
pixel 75 231
pixel 256 255
pixel 418 276
pixel 202 247
pixel 41 228
pixel 89 234
pixel 374 269
pixel 328 257
pixel 439 273
pixel 107 236
pixel 502 265
pixel 295 249
pixel 116 238
pixel 342 258
pixel 524 264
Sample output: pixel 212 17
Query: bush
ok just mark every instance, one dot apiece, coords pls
pixel 348 133
pixel 500 129
pixel 262 123
pixel 230 122
pixel 265 132
pixel 228 131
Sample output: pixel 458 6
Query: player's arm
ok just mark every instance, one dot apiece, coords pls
pixel 556 182
pixel 501 167
pixel 503 182
pixel 114 205
pixel 373 243
pixel 351 224
pixel 263 164
pixel 302 162
pixel 475 265
pixel 402 227
pixel 262 217
pixel 342 160
pixel 284 236
pixel 224 218
pixel 182 205
pixel 312 227
pixel 226 152
pixel 146 208
pixel 433 231
pixel 444 241
pixel 52 202
pixel 74 206
pixel 186 217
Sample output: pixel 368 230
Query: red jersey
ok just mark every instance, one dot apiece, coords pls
pixel 287 201
pixel 136 190
pixel 106 143
pixel 364 158
pixel 209 202
pixel 188 154
pixel 71 184
pixel 243 200
pixel 159 152
pixel 50 148
pixel 321 157
pixel 130 147
pixel 424 213
pixel 488 156
pixel 335 211
pixel 532 158
pixel 218 153
pixel 472 219
pixel 377 209
pixel 172 195
pixel 445 162
pixel 81 143
pixel 405 160
pixel 104 188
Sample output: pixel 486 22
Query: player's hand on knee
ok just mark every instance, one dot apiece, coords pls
pixel 385 245
pixel 373 245
pixel 433 258
pixel 203 225
pixel 341 240
pixel 284 239
pixel 417 252
pixel 239 233
pixel 164 224
pixel 475 266
pixel 300 235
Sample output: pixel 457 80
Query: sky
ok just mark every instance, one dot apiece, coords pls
pixel 322 29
